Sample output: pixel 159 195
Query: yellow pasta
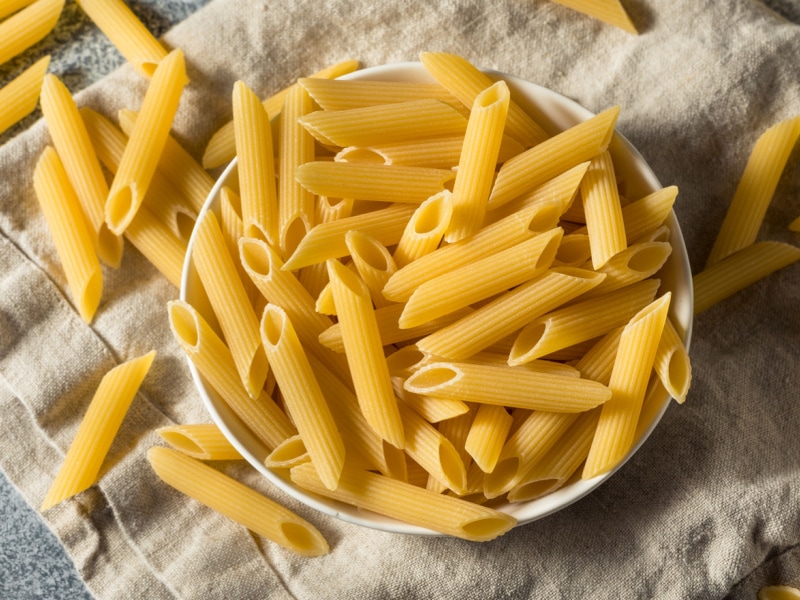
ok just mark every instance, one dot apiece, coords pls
pixel 603 210
pixel 327 240
pixel 97 430
pixel 254 148
pixel 201 441
pixel 9 7
pixel 28 26
pixel 740 269
pixel 177 165
pixel 18 98
pixel 344 94
pixel 608 11
pixel 133 40
pixel 71 140
pixel 505 314
pixel 68 228
pixel 755 190
pixel 425 229
pixel 433 410
pixel 507 386
pixel 140 159
pixel 493 238
pixel 619 416
pixel 302 395
pixel 476 165
pixel 535 166
pixel 635 263
pixel 672 363
pixel 373 262
pixel 221 148
pixel 555 468
pixel 364 352
pixel 778 592
pixel 385 123
pixel 598 362
pixel 487 435
pixel 481 279
pixel 214 362
pixel 236 501
pixel 289 453
pixel 536 434
pixel 229 299
pixel 581 321
pixel 432 451
pixel 382 183
pixel 153 238
pixel 465 82
pixel 296 147
pixel 409 503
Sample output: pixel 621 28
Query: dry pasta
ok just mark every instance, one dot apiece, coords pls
pixel 608 11
pixel 28 26
pixel 202 441
pixel 18 98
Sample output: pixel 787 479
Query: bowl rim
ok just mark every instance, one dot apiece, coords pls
pixel 557 112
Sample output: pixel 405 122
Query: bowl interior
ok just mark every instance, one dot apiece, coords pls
pixel 555 113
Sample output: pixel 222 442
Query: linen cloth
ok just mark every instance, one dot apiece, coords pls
pixel 708 508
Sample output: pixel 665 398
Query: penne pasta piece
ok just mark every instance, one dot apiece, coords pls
pixel 239 323
pixel 480 280
pixel 619 416
pixel 435 153
pixel 302 394
pixel 236 501
pixel 214 362
pixel 18 97
pixel 364 353
pixel 539 164
pixel 608 11
pixel 404 362
pixel 327 240
pixel 230 216
pixel 672 363
pixel 492 239
pixel 221 148
pixel 433 410
pixel 539 366
pixel 98 429
pixel 290 453
pixel 71 141
pixel 163 200
pixel 635 263
pixel 559 193
pixel 646 214
pixel 487 435
pixel 157 243
pixel 263 266
pixel 384 123
pixel 507 386
pixel 28 26
pixel 795 225
pixel 373 262
pixel 505 314
pixel 382 183
pixel 177 165
pixel 254 149
pixel 389 330
pixel 581 321
pixel 602 210
pixel 140 158
pixel 598 362
pixel 410 504
pixel 9 7
pixel 755 190
pixel 740 269
pixel 296 147
pixel 202 441
pixel 70 234
pixel 537 433
pixel 559 464
pixel 345 94
pixel 425 229
pixel 574 250
pixel 432 451
pixel 475 173
pixel 133 40
pixel 465 82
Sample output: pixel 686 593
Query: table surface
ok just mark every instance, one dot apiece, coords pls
pixel 32 562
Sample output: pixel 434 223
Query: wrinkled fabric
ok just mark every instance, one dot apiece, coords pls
pixel 706 509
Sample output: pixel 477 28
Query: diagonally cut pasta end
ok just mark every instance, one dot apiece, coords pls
pixel 488 528
pixel 88 298
pixel 121 208
pixel 303 539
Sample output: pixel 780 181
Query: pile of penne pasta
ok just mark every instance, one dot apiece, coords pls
pixel 416 300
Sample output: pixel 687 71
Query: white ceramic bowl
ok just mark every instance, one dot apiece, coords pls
pixel 555 113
